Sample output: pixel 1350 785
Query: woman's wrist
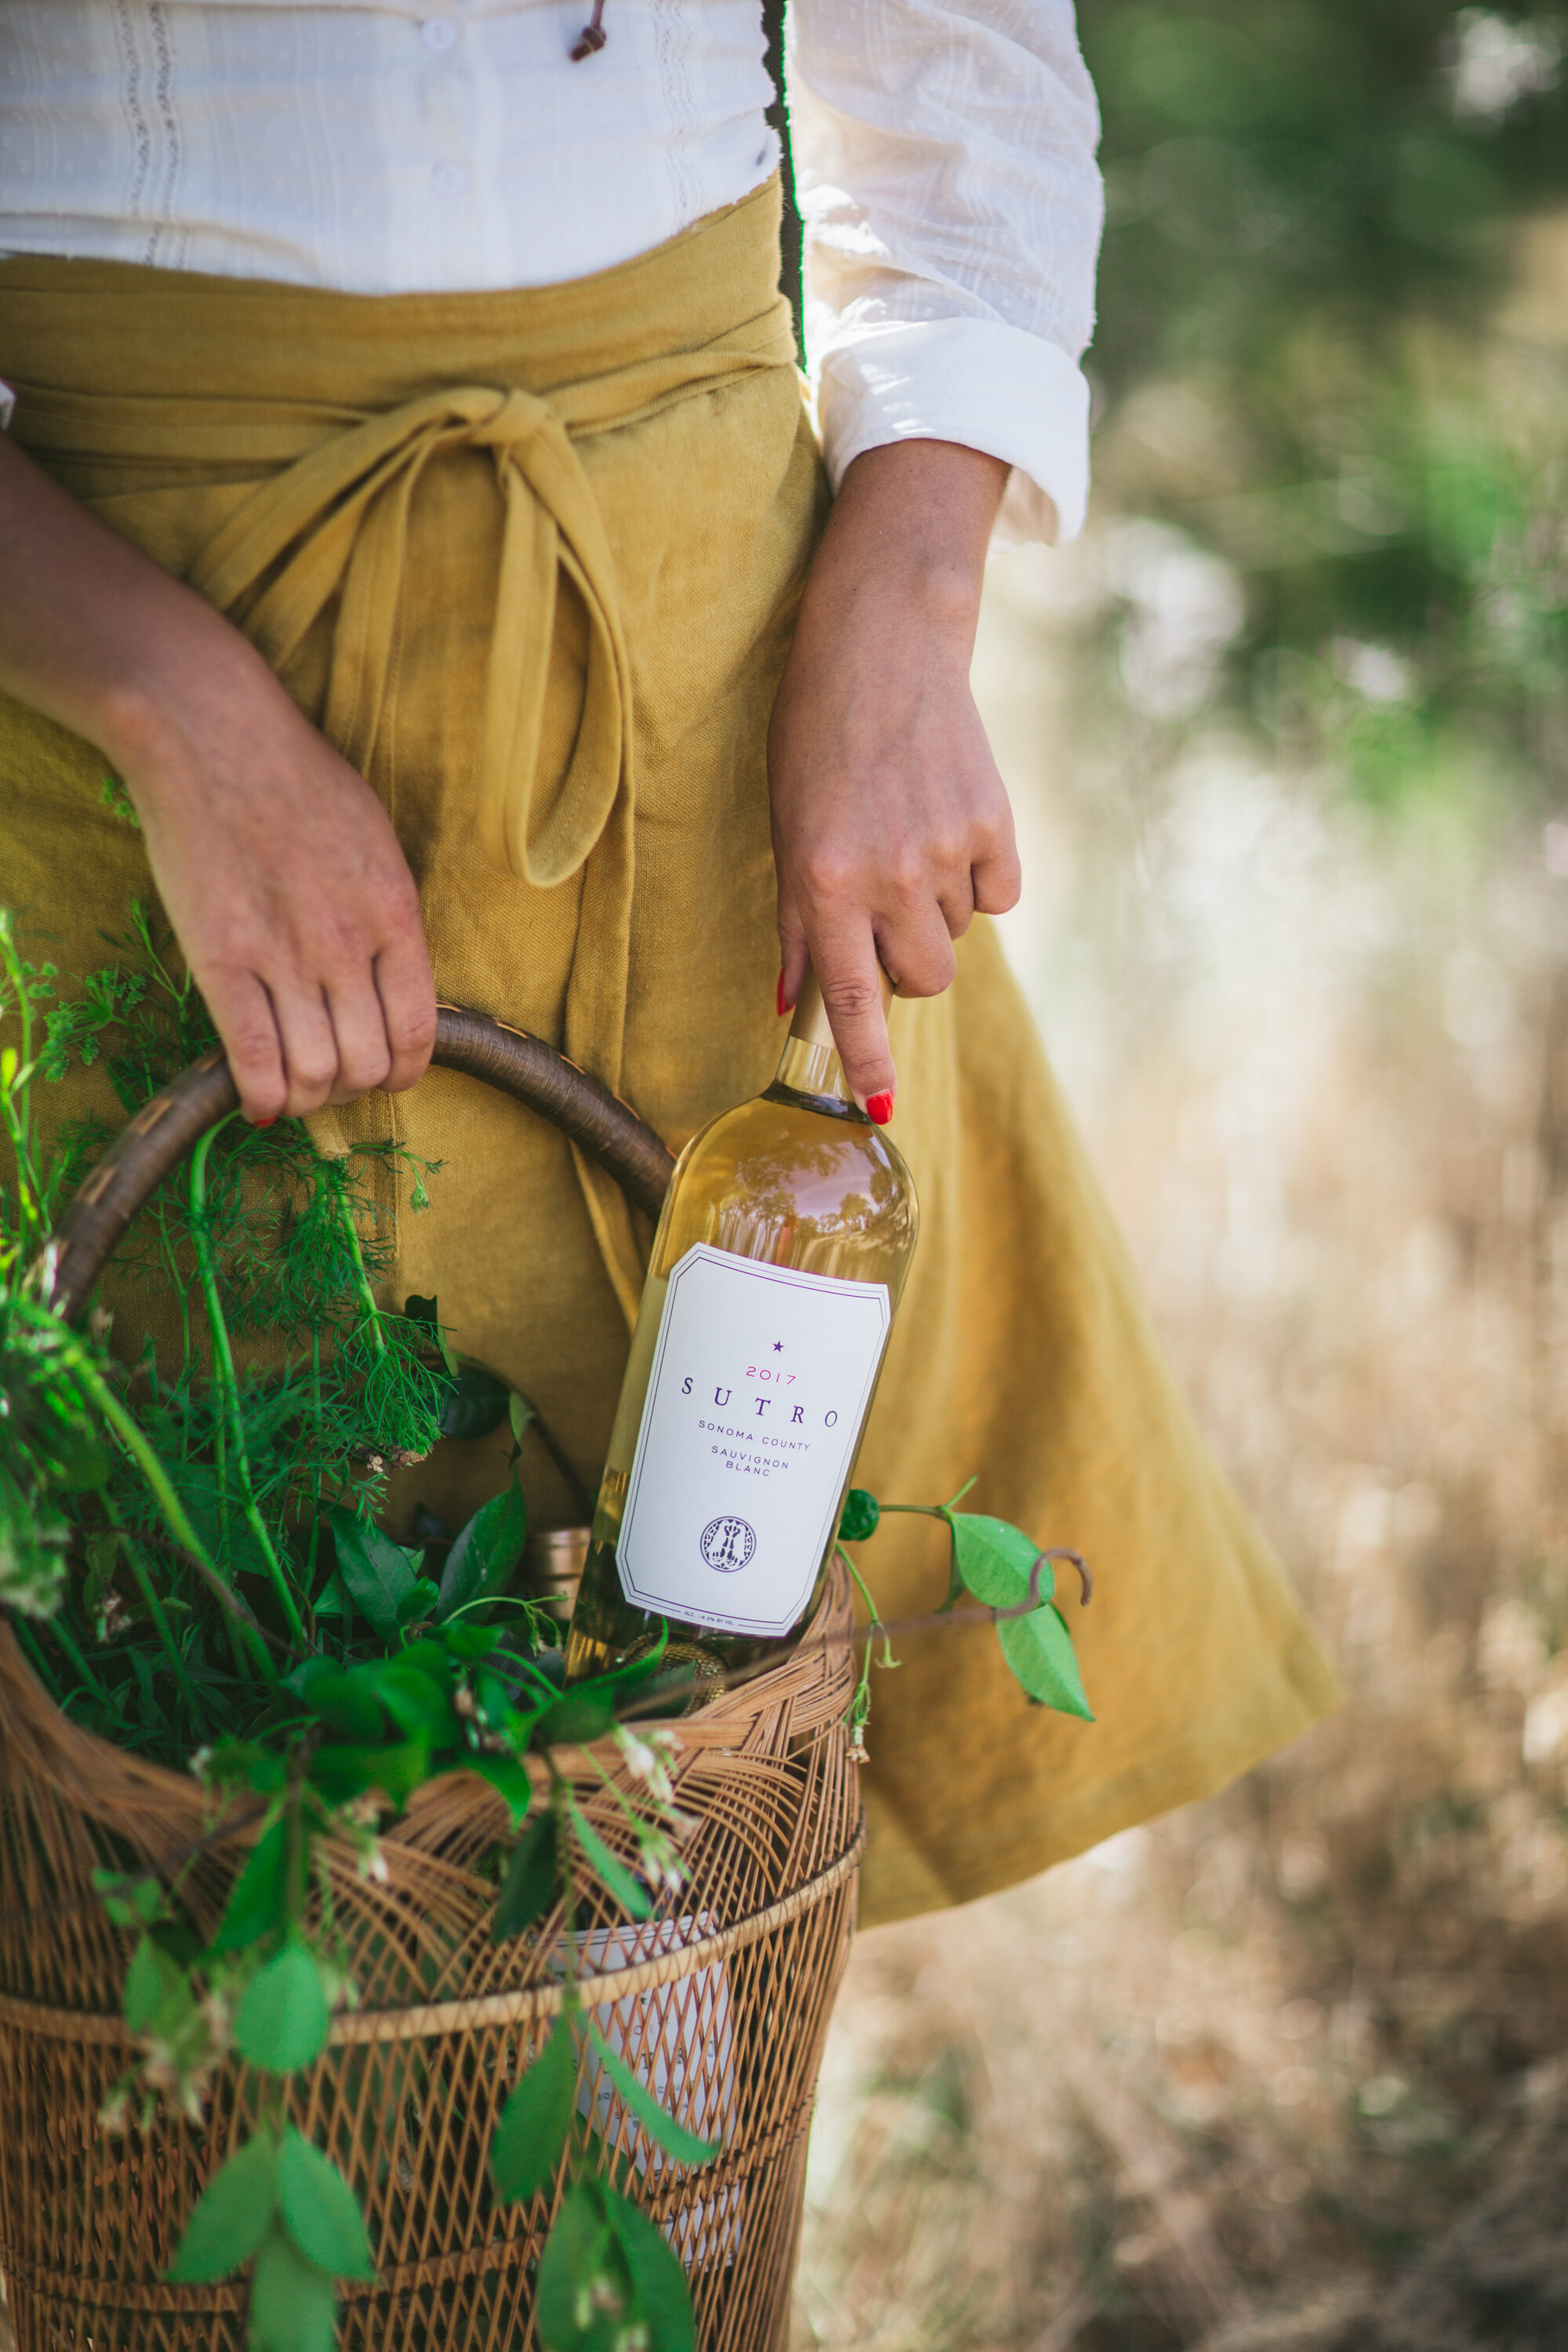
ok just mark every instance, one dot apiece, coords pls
pixel 157 718
pixel 912 520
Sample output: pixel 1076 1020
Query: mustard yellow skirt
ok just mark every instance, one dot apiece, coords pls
pixel 531 559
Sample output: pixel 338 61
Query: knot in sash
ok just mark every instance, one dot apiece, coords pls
pixel 335 523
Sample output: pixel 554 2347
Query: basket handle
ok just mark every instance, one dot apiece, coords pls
pixel 165 1130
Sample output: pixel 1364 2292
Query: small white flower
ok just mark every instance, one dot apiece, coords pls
pixel 215 2010
pixel 640 1759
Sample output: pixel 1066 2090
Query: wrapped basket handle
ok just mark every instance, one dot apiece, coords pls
pixel 165 1130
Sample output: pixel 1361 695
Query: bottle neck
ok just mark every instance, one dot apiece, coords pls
pixel 809 1065
pixel 805 1068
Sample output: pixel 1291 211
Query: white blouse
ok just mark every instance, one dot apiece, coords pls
pixel 944 151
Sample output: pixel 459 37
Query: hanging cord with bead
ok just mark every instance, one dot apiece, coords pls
pixel 594 35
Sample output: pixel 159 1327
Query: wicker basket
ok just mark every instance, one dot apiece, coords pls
pixel 720 2005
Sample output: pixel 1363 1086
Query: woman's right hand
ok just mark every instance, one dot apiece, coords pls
pixel 277 865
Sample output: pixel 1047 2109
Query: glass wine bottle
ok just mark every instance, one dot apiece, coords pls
pixel 776 1269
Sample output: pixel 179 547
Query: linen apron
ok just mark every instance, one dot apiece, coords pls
pixel 531 560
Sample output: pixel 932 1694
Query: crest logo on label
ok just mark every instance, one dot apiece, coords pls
pixel 728 1544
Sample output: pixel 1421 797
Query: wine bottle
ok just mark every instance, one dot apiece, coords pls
pixel 785 1237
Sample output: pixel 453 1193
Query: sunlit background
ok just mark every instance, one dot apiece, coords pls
pixel 1287 736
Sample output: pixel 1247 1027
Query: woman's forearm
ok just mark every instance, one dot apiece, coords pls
pixel 275 861
pixel 87 623
pixel 891 823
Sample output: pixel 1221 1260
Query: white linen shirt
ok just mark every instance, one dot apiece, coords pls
pixel 944 151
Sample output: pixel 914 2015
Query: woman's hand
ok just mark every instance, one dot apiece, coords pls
pixel 892 826
pixel 277 865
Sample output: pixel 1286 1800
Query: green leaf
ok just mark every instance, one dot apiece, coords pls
pixel 578 2256
pixel 576 1721
pixel 292 2307
pixel 179 1939
pixel 469 1642
pixel 340 1773
pixel 860 1516
pixel 378 1574
pixel 529 1887
pixel 129 1901
pixel 522 1412
pixel 416 1705
pixel 347 1704
pixel 632 1898
pixel 332 1600
pixel 232 2216
pixel 995 1560
pixel 283 2018
pixel 476 1405
pixel 507 1778
pixel 244 1762
pixel 150 1979
pixel 659 2124
pixel 484 1556
pixel 80 1462
pixel 418 1602
pixel 319 2211
pixel 430 1657
pixel 530 2138
pixel 1039 1650
pixel 256 1899
pixel 661 2298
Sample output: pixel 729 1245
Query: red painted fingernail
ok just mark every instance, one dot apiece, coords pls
pixel 879 1108
pixel 782 999
pixel 265 1122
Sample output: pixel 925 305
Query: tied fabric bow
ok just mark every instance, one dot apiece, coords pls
pixel 336 521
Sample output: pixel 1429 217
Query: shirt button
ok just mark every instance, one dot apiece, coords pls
pixel 449 180
pixel 439 33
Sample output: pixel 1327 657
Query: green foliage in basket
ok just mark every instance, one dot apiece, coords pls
pixel 193 1559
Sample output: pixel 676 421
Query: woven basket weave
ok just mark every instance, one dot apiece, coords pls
pixel 720 2006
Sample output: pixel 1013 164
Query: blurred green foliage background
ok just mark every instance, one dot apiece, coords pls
pixel 1313 212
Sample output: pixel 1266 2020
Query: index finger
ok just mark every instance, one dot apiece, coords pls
pixel 855 993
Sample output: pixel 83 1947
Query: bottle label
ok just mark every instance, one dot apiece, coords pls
pixel 762 1377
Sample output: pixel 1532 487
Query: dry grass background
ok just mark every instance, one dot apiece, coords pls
pixel 1284 2069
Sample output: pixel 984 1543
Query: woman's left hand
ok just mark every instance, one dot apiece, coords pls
pixel 892 826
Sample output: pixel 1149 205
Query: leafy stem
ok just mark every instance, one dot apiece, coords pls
pixel 229 1386
pixel 143 1454
pixel 860 1705
pixel 155 1610
pixel 372 1312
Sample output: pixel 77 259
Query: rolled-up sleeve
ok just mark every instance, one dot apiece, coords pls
pixel 944 158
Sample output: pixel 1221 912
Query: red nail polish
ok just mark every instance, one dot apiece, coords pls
pixel 879 1108
pixel 782 999
pixel 264 1122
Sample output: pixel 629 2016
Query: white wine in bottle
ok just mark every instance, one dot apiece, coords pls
pixel 776 1268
